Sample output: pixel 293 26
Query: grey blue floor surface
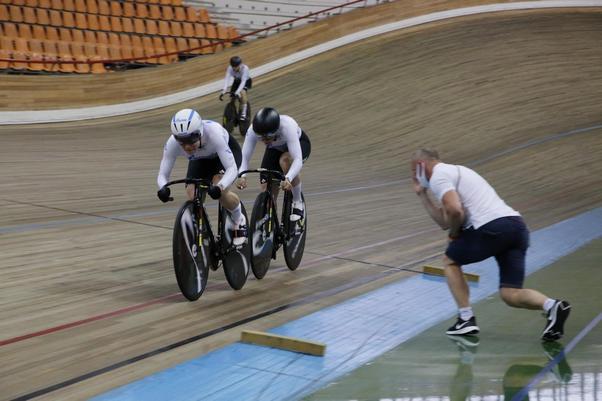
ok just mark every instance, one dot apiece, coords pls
pixel 509 354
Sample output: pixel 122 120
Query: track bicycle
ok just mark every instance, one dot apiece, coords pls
pixel 196 249
pixel 231 117
pixel 267 233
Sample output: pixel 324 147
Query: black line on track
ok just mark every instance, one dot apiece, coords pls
pixel 87 214
pixel 304 301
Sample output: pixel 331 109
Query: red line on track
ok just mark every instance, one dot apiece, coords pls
pixel 158 300
pixel 87 320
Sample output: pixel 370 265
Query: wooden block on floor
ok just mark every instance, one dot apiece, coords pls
pixel 283 342
pixel 440 272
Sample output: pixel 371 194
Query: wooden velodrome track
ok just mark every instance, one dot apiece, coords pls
pixel 85 243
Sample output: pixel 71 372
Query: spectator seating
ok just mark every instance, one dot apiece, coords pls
pixel 37 34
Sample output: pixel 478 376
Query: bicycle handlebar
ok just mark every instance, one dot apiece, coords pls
pixel 203 182
pixel 274 173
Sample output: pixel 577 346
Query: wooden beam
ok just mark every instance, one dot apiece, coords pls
pixel 283 342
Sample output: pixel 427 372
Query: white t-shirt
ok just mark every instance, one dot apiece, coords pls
pixel 480 201
pixel 243 74
pixel 287 139
pixel 214 143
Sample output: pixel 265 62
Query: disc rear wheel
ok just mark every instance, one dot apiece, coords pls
pixel 191 253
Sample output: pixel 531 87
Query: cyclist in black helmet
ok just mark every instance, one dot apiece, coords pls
pixel 238 75
pixel 287 148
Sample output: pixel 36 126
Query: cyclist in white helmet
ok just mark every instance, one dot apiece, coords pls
pixel 287 147
pixel 238 75
pixel 212 154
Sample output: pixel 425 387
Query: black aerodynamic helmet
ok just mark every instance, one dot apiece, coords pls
pixel 235 61
pixel 266 121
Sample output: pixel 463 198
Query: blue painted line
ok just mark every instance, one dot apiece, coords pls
pixel 557 359
pixel 355 331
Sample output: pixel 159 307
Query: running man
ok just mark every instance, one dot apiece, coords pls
pixel 213 155
pixel 481 225
pixel 238 75
pixel 287 148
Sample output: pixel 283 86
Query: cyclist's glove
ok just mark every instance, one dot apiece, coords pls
pixel 163 194
pixel 215 192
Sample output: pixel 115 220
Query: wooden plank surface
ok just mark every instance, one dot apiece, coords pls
pixel 84 238
pixel 72 91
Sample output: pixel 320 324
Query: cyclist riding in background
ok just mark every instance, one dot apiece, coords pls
pixel 213 155
pixel 287 148
pixel 237 74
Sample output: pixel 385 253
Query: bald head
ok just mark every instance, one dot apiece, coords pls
pixel 425 154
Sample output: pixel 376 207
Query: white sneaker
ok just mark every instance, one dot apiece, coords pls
pixel 297 213
pixel 240 233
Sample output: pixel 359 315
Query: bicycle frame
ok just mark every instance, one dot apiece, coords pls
pixel 274 176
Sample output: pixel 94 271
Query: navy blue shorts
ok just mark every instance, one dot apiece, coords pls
pixel 506 238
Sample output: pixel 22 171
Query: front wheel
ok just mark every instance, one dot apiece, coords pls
pixel 236 260
pixel 295 233
pixel 191 252
pixel 229 118
pixel 261 234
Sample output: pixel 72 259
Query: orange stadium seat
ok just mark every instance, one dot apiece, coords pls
pixel 93 22
pixel 56 4
pixel 171 47
pixel 153 1
pixel 103 7
pixel 128 9
pixel 210 31
pixel 175 28
pixel 167 13
pixel 151 27
pixel 188 29
pixel 191 15
pixel 114 39
pixel 15 14
pixel 65 35
pixel 68 19
pixel 127 24
pixel 125 39
pixel 104 23
pixel 199 31
pixel 69 5
pixel 29 15
pixel 203 16
pixel 52 33
pixel 55 18
pixel 91 6
pixel 36 53
pixel 17 2
pixel 21 50
pixel 81 21
pixel 154 11
pixel 78 36
pixel 38 32
pixel 182 45
pixel 102 38
pixel 116 24
pixel 4 15
pixel 141 10
pixel 90 37
pixel 180 13
pixel 116 9
pixel 42 16
pixel 164 28
pixel 5 51
pixel 31 3
pixel 10 30
pixel 44 3
pixel 80 6
pixel 149 49
pixel 139 25
pixel 25 31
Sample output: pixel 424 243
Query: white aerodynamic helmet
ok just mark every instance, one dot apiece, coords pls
pixel 187 126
